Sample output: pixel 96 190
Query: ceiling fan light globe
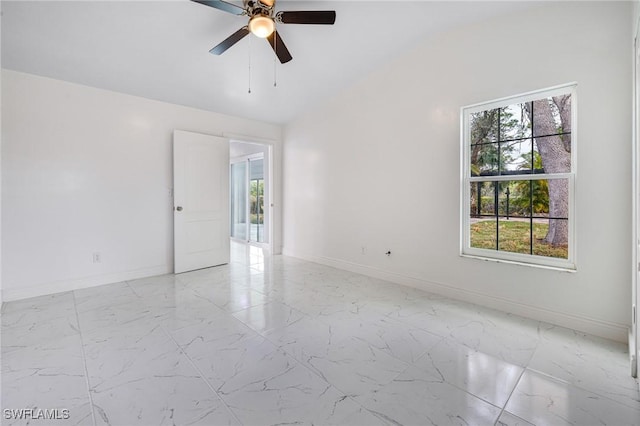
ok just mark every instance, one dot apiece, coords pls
pixel 262 26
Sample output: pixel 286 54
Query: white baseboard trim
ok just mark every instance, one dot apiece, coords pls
pixel 9 294
pixel 607 330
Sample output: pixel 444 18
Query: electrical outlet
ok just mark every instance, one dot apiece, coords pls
pixel 97 257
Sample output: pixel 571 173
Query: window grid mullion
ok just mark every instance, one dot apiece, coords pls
pixel 533 166
pixel 496 184
pixel 523 139
pixel 540 176
pixel 531 217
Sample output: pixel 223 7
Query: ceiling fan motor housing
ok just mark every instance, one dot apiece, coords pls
pixel 255 8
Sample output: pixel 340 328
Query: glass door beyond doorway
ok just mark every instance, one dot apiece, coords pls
pixel 247 200
pixel 256 200
pixel 239 200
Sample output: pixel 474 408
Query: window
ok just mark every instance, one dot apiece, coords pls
pixel 518 157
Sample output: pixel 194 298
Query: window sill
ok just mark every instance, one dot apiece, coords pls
pixel 515 262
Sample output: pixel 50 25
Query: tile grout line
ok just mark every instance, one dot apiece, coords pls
pixel 466 390
pixel 84 360
pixel 502 410
pixel 202 376
pixel 296 360
pixel 577 386
pixel 409 364
pixel 319 375
pixel 182 351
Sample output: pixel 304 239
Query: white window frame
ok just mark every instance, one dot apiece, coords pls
pixel 466 250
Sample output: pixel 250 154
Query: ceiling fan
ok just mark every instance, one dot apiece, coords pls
pixel 262 23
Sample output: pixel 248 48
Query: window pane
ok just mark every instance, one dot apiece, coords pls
pixel 561 112
pixel 482 233
pixel 542 236
pixel 540 197
pixel 558 190
pixel 487 198
pixel 513 199
pixel 514 235
pixel 551 217
pixel 482 199
pixel 484 126
pixel 484 159
pixel 474 199
pixel 551 115
pixel 554 153
pixel 515 157
pixel 514 122
pixel 519 198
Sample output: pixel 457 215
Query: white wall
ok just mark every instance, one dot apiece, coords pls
pixel 634 340
pixel 241 149
pixel 378 165
pixel 1 298
pixel 636 16
pixel 87 170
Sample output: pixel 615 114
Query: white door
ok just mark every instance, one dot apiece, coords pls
pixel 201 201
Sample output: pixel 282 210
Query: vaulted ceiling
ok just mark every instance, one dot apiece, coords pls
pixel 160 49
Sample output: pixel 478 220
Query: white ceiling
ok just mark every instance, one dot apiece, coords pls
pixel 160 49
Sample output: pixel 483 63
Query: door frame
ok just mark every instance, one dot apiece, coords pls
pixel 275 189
pixel 267 199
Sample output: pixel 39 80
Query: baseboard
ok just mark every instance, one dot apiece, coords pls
pixel 86 282
pixel 608 330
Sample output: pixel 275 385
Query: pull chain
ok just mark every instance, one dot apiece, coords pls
pixel 250 62
pixel 275 50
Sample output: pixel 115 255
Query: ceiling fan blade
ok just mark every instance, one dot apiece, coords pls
pixel 279 48
pixel 230 41
pixel 322 17
pixel 222 5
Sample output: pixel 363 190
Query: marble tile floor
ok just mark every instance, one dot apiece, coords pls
pixel 277 340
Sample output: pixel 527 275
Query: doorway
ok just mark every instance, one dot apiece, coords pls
pixel 250 193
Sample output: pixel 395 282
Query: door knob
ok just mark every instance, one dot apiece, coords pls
pixel 179 208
